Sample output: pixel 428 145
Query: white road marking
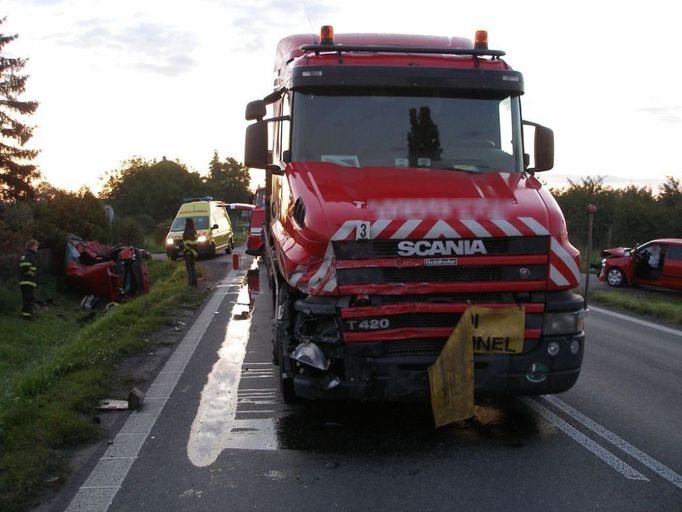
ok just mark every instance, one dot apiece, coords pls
pixel 99 490
pixel 657 467
pixel 619 465
pixel 674 332
pixel 219 424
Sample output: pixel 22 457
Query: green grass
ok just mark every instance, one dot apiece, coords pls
pixel 153 245
pixel 54 370
pixel 663 308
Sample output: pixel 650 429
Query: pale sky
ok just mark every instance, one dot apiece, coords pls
pixel 154 78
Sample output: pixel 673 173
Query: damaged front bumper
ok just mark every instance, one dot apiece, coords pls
pixel 397 371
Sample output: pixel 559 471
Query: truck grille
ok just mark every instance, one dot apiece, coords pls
pixel 381 275
pixel 376 249
pixel 414 347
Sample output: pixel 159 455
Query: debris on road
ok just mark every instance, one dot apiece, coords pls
pixel 135 401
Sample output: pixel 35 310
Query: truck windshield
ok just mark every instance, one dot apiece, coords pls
pixel 469 134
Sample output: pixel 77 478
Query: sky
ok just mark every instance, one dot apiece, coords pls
pixel 155 78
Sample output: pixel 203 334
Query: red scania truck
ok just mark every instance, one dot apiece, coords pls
pixel 400 190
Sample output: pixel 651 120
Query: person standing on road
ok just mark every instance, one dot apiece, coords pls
pixel 28 268
pixel 189 242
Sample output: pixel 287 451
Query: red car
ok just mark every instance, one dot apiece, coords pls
pixel 110 273
pixel 655 263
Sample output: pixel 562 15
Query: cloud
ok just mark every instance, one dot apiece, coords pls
pixel 258 17
pixel 671 115
pixel 42 3
pixel 149 46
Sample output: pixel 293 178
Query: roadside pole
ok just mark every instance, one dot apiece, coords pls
pixel 591 210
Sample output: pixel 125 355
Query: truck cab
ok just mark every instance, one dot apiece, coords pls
pixel 400 191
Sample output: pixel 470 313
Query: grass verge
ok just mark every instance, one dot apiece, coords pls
pixel 661 308
pixel 61 370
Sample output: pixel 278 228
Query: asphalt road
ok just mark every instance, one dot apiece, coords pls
pixel 214 435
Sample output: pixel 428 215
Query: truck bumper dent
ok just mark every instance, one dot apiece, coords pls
pixel 372 372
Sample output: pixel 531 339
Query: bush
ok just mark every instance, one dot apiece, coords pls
pixel 127 231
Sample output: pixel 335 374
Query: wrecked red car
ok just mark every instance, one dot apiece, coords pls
pixel 655 263
pixel 110 273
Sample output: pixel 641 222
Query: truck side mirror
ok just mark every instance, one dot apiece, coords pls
pixel 543 148
pixel 256 145
pixel 255 110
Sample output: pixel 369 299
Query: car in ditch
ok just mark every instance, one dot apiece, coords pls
pixel 111 273
pixel 655 263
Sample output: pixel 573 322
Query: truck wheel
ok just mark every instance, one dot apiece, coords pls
pixel 230 247
pixel 615 277
pixel 286 382
pixel 211 250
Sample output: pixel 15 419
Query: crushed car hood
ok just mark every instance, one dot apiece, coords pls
pixel 615 252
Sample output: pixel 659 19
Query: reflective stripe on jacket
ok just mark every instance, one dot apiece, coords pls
pixel 190 246
pixel 28 269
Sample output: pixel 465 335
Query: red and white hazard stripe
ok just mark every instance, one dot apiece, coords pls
pixel 321 276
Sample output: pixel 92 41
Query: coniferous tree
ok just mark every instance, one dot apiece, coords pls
pixel 16 170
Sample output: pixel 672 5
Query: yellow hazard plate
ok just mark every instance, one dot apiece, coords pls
pixel 497 330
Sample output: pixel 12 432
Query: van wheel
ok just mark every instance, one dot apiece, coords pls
pixel 230 247
pixel 211 250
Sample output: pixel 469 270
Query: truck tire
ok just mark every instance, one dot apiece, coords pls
pixel 615 277
pixel 230 247
pixel 286 382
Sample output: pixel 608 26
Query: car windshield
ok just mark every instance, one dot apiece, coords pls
pixel 470 134
pixel 199 223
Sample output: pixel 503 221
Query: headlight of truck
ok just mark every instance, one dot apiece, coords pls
pixel 563 323
pixel 170 241
pixel 201 239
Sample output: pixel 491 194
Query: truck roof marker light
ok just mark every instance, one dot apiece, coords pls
pixel 481 40
pixel 327 34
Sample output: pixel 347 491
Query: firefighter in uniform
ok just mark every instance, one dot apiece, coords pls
pixel 189 241
pixel 27 281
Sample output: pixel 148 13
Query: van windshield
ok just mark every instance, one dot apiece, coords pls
pixel 477 134
pixel 199 223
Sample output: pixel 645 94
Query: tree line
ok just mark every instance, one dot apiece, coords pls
pixel 625 216
pixel 144 194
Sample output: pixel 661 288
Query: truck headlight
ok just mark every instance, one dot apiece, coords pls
pixel 201 239
pixel 170 241
pixel 563 323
